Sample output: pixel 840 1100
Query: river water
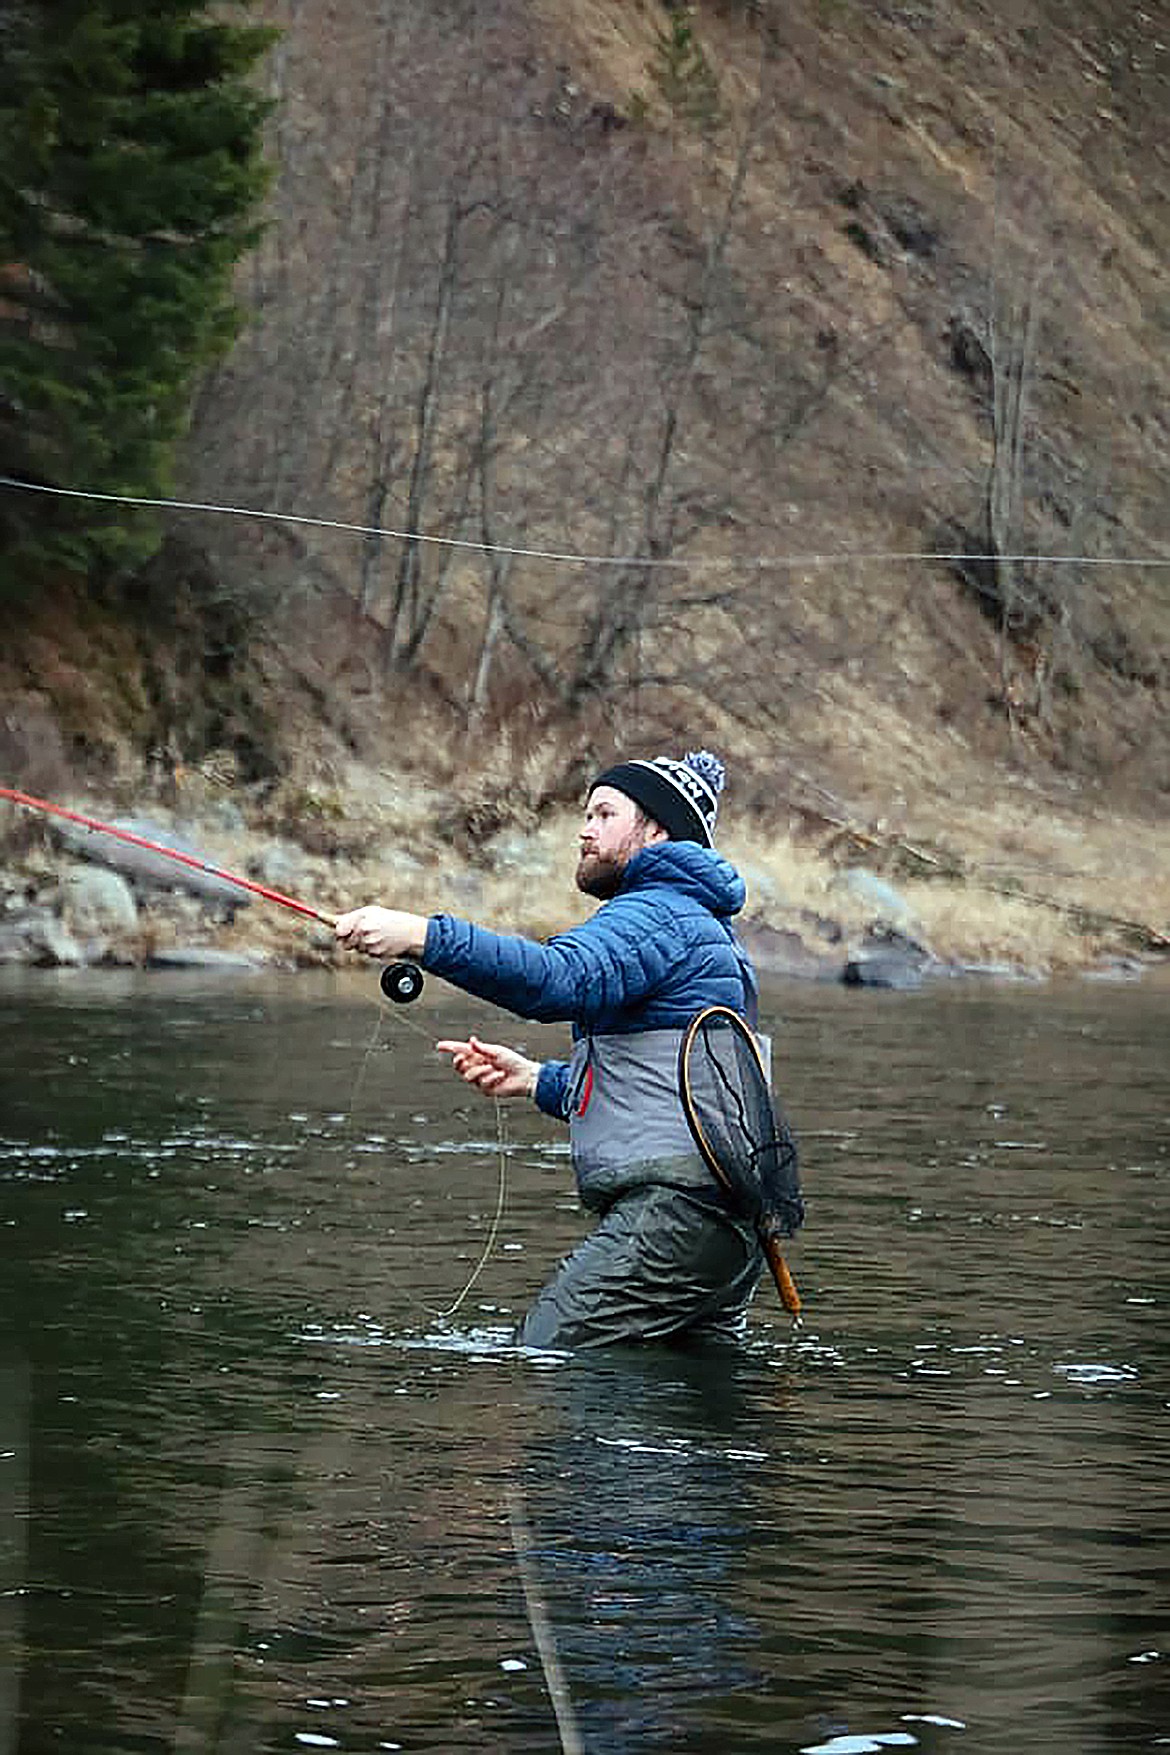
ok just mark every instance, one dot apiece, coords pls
pixel 263 1489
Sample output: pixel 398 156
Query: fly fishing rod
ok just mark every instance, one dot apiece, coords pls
pixel 400 982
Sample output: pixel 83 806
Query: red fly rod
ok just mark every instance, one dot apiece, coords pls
pixel 401 982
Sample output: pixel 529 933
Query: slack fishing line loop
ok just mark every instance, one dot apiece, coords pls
pixel 567 557
pixel 497 1216
pixel 502 1149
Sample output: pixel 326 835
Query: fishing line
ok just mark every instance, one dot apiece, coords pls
pixel 375 1041
pixel 400 982
pixel 497 1217
pixel 568 557
pixel 401 1018
pixel 372 1047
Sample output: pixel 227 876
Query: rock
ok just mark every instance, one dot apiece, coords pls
pixel 38 937
pixel 280 867
pixel 1116 969
pixel 999 971
pixel 96 901
pixel 883 969
pixel 144 867
pixel 885 958
pixel 782 951
pixel 204 957
pixel 16 889
pixel 225 815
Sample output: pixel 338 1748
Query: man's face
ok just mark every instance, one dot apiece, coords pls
pixel 613 831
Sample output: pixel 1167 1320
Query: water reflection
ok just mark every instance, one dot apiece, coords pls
pixel 258 1494
pixel 642 1498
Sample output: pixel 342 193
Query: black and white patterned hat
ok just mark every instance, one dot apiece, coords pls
pixel 682 796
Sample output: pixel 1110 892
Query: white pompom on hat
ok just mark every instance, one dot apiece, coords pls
pixel 682 796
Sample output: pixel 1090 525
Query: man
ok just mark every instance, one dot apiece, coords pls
pixel 667 1259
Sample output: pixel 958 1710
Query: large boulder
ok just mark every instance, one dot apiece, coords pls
pixel 97 901
pixel 786 952
pixel 885 958
pixel 145 868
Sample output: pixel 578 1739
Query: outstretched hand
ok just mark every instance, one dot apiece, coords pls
pixel 382 932
pixel 491 1068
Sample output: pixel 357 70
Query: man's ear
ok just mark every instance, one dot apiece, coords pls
pixel 654 833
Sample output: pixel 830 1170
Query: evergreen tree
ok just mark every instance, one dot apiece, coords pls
pixel 683 73
pixel 130 178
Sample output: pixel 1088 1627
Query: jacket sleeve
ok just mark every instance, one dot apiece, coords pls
pixel 596 970
pixel 551 1085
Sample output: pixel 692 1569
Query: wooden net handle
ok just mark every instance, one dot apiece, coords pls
pixel 785 1284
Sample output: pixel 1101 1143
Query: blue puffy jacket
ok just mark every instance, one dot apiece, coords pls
pixel 649 958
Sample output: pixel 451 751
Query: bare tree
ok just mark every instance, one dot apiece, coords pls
pixel 538 327
pixel 1013 329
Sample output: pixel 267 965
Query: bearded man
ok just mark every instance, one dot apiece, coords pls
pixel 668 1261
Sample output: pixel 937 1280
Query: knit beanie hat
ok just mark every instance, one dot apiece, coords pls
pixel 682 796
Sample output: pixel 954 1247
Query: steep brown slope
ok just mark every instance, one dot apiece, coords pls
pixel 878 281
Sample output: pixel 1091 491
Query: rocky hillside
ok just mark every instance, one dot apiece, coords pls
pixel 764 298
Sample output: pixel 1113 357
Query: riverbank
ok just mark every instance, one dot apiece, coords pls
pixel 831 900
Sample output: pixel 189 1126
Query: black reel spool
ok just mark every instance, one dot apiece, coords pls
pixel 401 982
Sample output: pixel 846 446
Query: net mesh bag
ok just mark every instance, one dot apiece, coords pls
pixel 742 1133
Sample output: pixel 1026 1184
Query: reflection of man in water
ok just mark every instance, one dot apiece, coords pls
pixel 667 1258
pixel 653 1509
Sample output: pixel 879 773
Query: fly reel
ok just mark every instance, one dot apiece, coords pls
pixel 401 982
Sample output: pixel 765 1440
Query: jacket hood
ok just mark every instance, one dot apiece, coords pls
pixel 695 871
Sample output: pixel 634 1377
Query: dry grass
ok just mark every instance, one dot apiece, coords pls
pixel 522 879
pixel 393 845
